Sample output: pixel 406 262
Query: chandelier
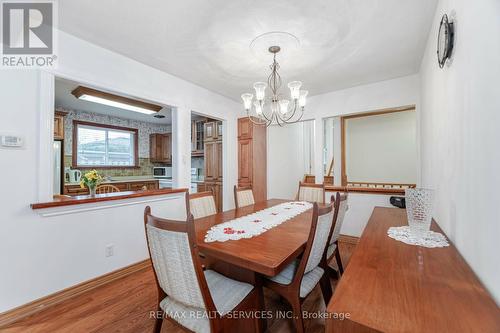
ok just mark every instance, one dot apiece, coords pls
pixel 275 109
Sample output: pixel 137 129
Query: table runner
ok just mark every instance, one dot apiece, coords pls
pixel 256 223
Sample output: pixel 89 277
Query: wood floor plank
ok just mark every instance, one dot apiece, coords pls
pixel 124 306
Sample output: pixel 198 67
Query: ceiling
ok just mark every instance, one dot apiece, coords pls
pixel 64 99
pixel 342 43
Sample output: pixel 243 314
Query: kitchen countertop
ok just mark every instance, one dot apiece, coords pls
pixel 86 199
pixel 124 179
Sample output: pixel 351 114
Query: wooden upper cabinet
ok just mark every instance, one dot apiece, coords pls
pixel 210 131
pixel 245 128
pixel 59 125
pixel 160 148
pixel 245 160
pixel 197 139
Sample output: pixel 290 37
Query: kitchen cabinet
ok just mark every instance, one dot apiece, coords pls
pixel 59 125
pixel 212 131
pixel 160 148
pixel 245 128
pixel 252 159
pixel 122 186
pixel 197 137
pixel 213 161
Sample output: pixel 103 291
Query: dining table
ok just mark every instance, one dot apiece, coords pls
pixel 266 254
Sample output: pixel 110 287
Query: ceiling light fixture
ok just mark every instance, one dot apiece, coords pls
pixel 275 109
pixel 96 96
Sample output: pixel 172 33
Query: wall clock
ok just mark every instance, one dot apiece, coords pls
pixel 445 40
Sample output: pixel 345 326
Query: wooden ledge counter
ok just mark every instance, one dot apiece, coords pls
pixel 85 199
pixel 390 286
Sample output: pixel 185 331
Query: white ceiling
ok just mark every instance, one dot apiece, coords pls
pixel 343 43
pixel 64 99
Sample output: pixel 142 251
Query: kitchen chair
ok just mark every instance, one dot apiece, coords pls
pixel 102 189
pixel 311 192
pixel 201 204
pixel 338 219
pixel 297 280
pixel 243 196
pixel 197 300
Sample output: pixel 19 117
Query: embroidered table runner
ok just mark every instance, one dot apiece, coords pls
pixel 256 223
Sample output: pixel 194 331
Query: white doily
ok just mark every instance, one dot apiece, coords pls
pixel 431 238
pixel 256 223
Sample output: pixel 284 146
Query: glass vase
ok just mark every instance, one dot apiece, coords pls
pixel 419 206
pixel 92 191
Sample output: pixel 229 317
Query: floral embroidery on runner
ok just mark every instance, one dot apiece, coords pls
pixel 256 223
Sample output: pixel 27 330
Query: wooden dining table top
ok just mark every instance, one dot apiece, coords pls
pixel 390 286
pixel 267 253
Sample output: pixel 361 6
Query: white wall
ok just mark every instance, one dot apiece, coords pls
pixel 460 133
pixel 284 160
pixel 381 148
pixel 43 255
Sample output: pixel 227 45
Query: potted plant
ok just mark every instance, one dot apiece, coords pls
pixel 91 179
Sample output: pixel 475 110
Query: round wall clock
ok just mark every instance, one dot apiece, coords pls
pixel 445 40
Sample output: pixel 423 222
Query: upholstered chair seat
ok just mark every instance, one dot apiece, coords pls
pixel 309 281
pixel 226 294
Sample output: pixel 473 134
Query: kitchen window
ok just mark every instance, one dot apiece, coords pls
pixel 104 146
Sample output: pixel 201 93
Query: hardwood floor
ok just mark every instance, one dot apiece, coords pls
pixel 125 305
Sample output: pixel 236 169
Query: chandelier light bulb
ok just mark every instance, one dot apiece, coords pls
pixel 247 100
pixel 258 107
pixel 284 106
pixel 295 89
pixel 260 90
pixel 302 98
pixel 274 109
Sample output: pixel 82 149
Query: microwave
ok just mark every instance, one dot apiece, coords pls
pixel 162 172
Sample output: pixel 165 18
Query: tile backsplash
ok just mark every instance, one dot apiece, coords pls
pixel 145 168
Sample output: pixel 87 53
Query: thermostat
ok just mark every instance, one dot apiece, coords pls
pixel 11 141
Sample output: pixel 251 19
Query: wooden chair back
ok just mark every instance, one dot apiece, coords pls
pixel 243 196
pixel 328 180
pixel 309 179
pixel 201 204
pixel 106 188
pixel 311 192
pixel 340 208
pixel 317 241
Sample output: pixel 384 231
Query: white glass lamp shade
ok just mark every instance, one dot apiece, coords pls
pixel 247 100
pixel 284 106
pixel 258 107
pixel 302 98
pixel 295 89
pixel 260 90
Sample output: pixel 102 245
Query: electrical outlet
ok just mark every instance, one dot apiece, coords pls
pixel 109 250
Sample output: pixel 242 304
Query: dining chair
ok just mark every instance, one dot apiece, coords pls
pixel 196 299
pixel 107 188
pixel 309 179
pixel 296 281
pixel 341 207
pixel 311 192
pixel 243 196
pixel 202 204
